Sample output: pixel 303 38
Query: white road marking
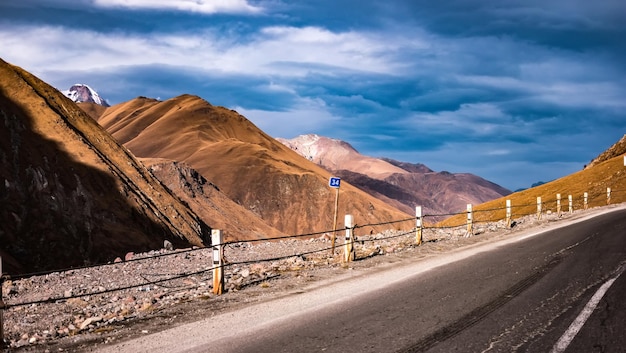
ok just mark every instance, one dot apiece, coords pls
pixel 562 344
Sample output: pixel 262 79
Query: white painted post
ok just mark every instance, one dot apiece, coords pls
pixel 558 205
pixel 571 203
pixel 538 208
pixel 470 218
pixel 585 201
pixel 218 261
pixel 608 196
pixel 418 225
pixel 508 213
pixel 348 252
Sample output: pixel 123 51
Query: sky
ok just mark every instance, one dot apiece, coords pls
pixel 515 91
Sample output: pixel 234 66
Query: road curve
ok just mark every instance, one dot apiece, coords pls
pixel 518 294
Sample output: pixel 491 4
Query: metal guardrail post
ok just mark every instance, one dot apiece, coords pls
pixel 470 221
pixel 218 263
pixel 571 203
pixel 508 213
pixel 348 252
pixel 418 225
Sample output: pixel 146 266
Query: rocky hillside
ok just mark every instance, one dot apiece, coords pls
pixel 71 195
pixel 403 185
pixel 618 149
pixel 208 202
pixel 254 170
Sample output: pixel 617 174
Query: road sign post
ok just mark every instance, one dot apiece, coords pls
pixel 334 182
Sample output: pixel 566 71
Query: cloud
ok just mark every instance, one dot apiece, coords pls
pixel 310 115
pixel 455 85
pixel 283 51
pixel 199 6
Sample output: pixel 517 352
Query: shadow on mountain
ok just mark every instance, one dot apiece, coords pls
pixel 56 211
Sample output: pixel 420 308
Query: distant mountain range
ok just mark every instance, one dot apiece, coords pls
pixel 255 171
pixel 403 185
pixel 399 184
pixel 84 183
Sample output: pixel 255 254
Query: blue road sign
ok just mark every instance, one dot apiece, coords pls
pixel 334 182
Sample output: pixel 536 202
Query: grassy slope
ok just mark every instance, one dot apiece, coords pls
pixel 593 180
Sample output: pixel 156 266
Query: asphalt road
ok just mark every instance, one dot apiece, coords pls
pixel 559 290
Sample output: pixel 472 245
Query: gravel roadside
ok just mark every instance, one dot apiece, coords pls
pixel 86 312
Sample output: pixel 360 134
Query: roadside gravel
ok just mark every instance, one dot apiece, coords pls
pixel 85 309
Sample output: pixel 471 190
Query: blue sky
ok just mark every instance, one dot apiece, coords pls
pixel 516 91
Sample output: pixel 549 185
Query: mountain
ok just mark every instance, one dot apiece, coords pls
pixel 254 170
pixel 333 154
pixel 403 185
pixel 618 149
pixel 69 194
pixel 81 93
pixel 208 202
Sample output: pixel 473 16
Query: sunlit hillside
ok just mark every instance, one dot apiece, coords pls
pixel 593 180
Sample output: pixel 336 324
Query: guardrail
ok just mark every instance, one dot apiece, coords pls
pixel 468 219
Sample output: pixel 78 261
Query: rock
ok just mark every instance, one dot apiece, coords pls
pixel 22 342
pixel 167 245
pixel 89 321
pixel 77 302
pixel 129 256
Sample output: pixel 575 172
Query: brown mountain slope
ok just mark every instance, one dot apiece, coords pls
pixel 593 180
pixel 93 109
pixel 403 185
pixel 208 202
pixel 288 192
pixel 70 194
pixel 205 199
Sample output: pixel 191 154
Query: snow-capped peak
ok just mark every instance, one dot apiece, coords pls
pixel 82 93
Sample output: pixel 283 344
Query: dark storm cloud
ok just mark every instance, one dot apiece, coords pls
pixel 515 91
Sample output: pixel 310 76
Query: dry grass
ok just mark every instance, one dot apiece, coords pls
pixel 593 180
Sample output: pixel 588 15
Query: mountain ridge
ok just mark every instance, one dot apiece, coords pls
pixel 71 195
pixel 401 184
pixel 284 189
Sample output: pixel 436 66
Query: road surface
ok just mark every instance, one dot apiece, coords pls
pixel 560 290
